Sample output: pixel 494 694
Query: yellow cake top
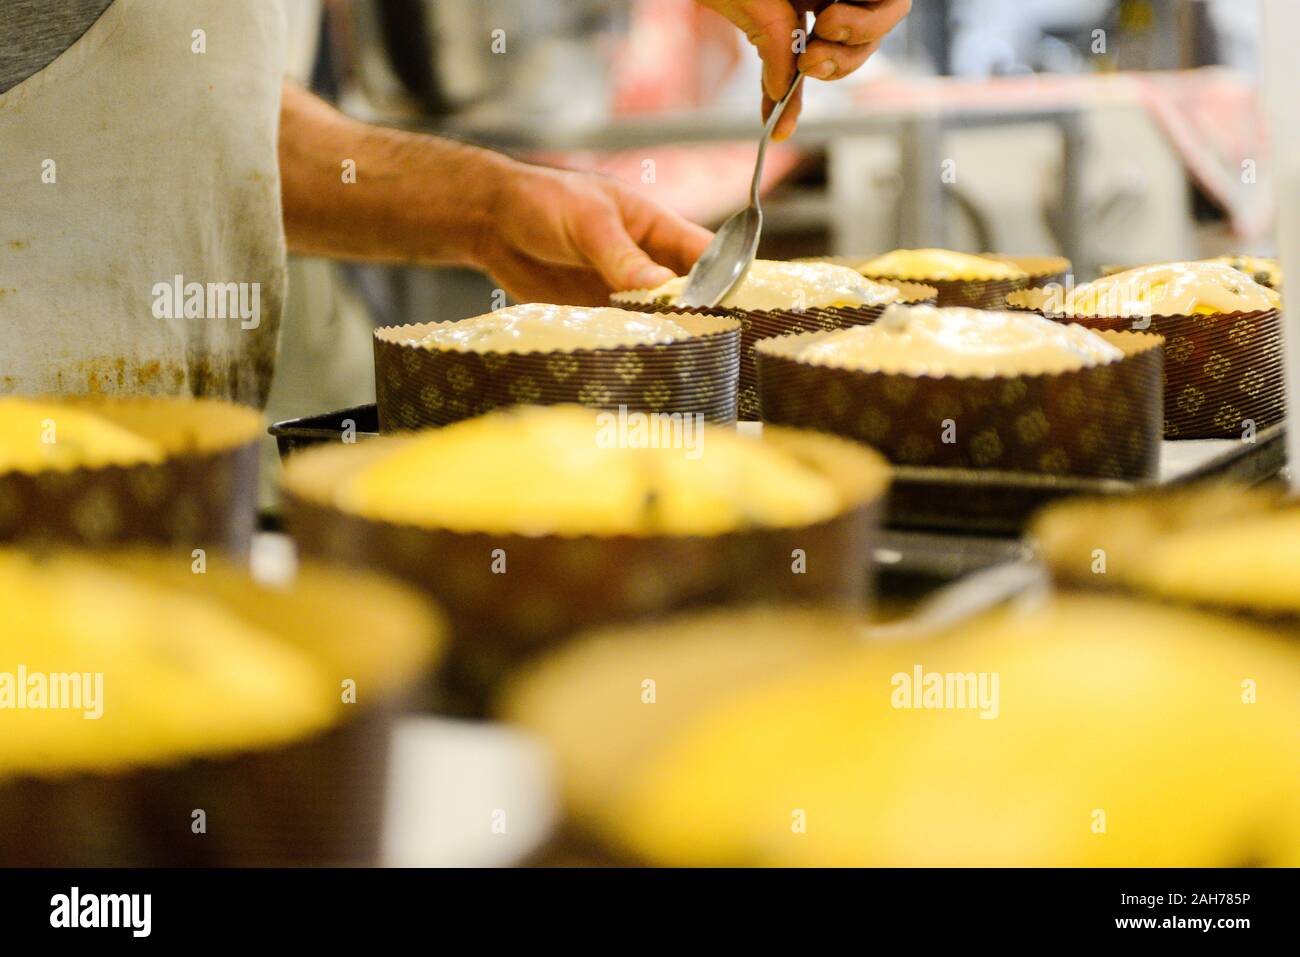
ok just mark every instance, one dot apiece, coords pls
pixel 1106 542
pixel 925 340
pixel 38 435
pixel 1249 563
pixel 600 735
pixel 994 745
pixel 1168 289
pixel 157 676
pixel 568 470
pixel 126 659
pixel 941 264
pixel 771 285
pixel 542 327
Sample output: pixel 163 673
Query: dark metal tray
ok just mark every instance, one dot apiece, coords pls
pixel 1000 503
pixel 294 434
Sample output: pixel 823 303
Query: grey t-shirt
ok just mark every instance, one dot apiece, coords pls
pixel 34 32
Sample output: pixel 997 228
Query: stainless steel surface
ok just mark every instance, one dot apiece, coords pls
pixel 724 264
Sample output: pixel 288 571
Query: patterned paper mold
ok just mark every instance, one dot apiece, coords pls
pixel 756 325
pixel 1101 420
pixel 418 386
pixel 557 584
pixel 973 291
pixel 1223 372
pixel 202 494
pixel 1042 270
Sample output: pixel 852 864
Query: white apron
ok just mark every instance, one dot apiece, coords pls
pixel 141 241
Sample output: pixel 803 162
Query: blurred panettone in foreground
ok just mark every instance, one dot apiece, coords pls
pixel 138 686
pixel 614 696
pixel 1222 545
pixel 37 435
pixel 97 471
pixel 1090 731
pixel 528 525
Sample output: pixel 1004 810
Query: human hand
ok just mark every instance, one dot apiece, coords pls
pixel 844 35
pixel 573 238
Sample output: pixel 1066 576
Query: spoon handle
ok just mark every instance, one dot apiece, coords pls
pixel 768 127
pixel 774 118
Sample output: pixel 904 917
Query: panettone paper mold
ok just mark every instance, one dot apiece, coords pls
pixel 418 386
pixel 759 324
pixel 202 495
pixel 318 802
pixel 314 801
pixel 973 292
pixel 557 585
pixel 1223 372
pixel 1101 420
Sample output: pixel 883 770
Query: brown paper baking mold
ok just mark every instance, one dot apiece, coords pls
pixel 315 803
pixel 417 387
pixel 1219 371
pixel 1042 270
pixel 557 585
pixel 1098 421
pixel 756 325
pixel 204 494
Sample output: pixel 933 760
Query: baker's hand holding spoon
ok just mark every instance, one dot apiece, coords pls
pixel 844 35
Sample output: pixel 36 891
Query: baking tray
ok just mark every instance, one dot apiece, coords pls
pixel 292 435
pixel 1000 503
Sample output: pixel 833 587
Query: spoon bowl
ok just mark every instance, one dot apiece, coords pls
pixel 724 264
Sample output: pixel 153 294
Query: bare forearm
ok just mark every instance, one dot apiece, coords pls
pixel 543 234
pixel 353 191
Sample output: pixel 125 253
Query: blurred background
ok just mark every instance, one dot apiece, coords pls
pixel 1108 131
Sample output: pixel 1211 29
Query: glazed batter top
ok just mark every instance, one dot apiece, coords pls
pixel 924 340
pixel 542 327
pixel 940 264
pixel 771 285
pixel 1171 289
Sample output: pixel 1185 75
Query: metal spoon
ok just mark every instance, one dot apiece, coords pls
pixel 732 252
